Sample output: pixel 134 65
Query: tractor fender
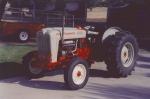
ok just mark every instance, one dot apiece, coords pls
pixel 110 31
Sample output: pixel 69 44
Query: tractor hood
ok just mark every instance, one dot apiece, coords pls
pixel 69 33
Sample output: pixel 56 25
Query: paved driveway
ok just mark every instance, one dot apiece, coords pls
pixel 100 84
pixel 6 42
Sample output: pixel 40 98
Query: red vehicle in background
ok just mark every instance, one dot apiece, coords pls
pixel 19 25
pixel 20 31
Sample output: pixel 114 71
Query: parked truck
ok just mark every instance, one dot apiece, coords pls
pixel 19 24
pixel 20 31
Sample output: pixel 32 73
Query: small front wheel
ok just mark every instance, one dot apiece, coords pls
pixel 76 74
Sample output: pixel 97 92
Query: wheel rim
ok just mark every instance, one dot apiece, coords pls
pixel 23 36
pixel 79 74
pixel 34 70
pixel 127 55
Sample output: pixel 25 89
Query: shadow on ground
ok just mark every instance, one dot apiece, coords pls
pixel 35 83
pixel 144 62
pixel 10 70
pixel 100 73
pixel 94 90
pixel 13 69
pixel 147 75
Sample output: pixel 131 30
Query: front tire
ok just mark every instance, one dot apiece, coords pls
pixel 30 71
pixel 76 74
pixel 122 54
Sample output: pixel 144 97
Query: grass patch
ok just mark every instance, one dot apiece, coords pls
pixel 14 53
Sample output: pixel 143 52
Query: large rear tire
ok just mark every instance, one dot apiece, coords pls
pixel 76 74
pixel 30 71
pixel 121 53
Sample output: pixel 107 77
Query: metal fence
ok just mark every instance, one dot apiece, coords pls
pixel 49 18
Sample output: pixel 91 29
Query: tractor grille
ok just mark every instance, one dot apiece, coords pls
pixel 43 42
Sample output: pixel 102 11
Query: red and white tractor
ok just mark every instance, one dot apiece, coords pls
pixel 75 49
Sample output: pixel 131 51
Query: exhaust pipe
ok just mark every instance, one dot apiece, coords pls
pixel 63 26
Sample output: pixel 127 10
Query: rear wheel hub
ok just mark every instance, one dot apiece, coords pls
pixel 127 55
